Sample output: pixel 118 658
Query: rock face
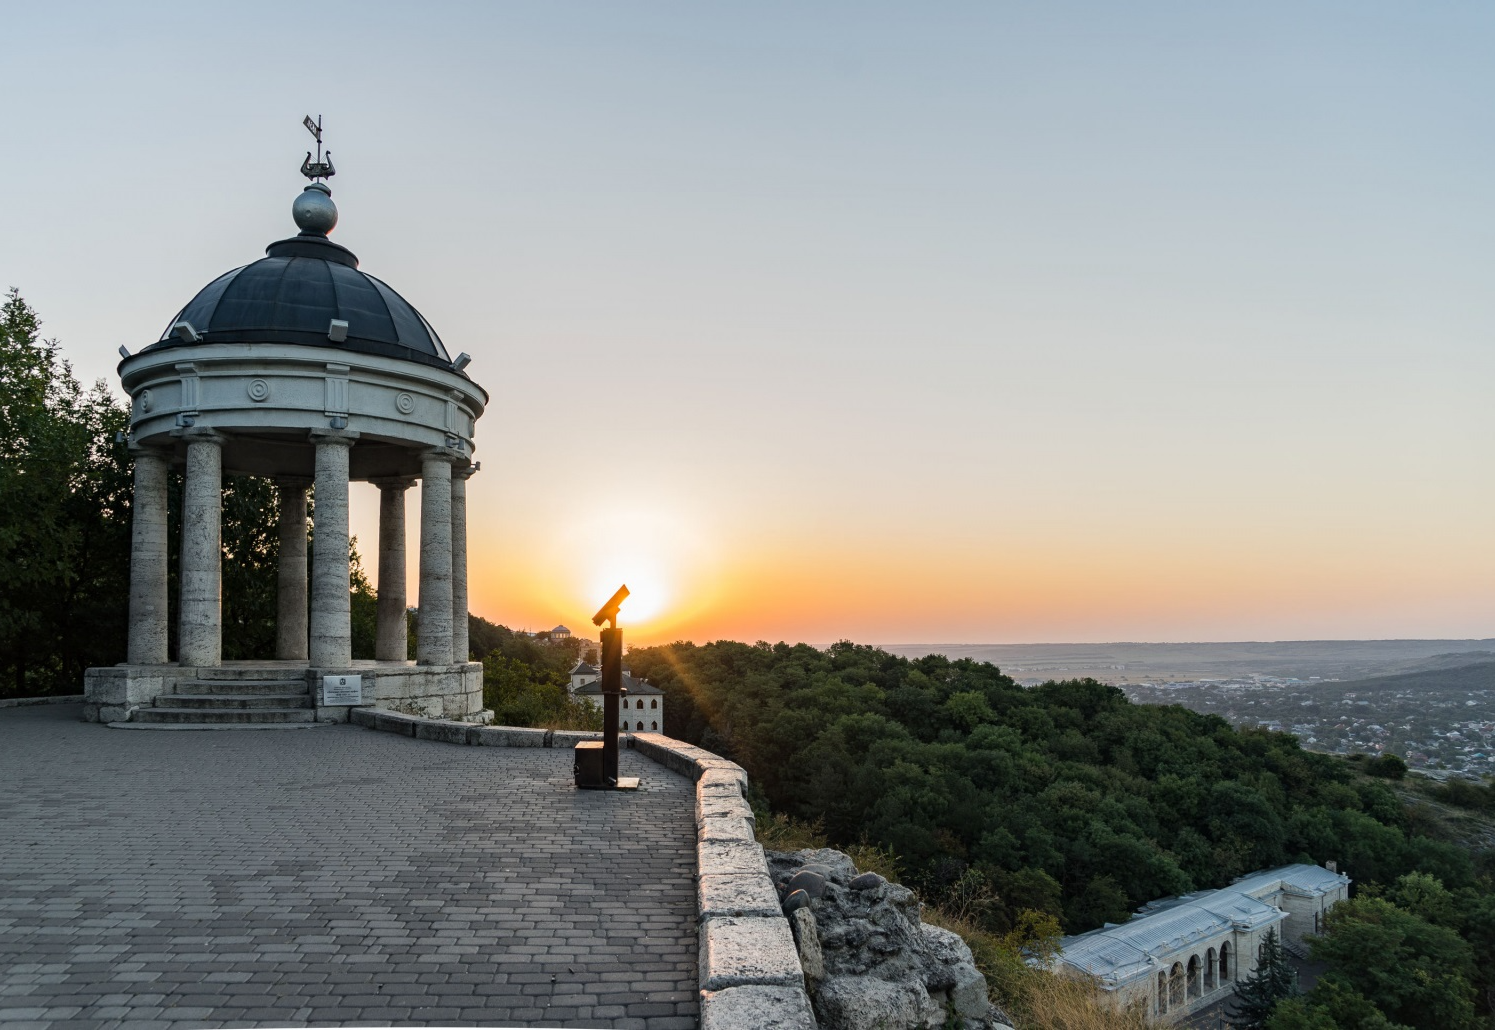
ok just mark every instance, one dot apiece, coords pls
pixel 868 959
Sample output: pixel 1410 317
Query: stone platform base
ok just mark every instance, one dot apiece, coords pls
pixel 115 694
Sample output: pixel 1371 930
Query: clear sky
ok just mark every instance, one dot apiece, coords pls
pixel 981 322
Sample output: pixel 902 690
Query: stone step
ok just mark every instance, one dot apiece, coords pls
pixel 232 702
pixel 223 716
pixel 231 726
pixel 200 688
pixel 259 673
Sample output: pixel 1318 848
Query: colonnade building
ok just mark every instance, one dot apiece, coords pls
pixel 304 369
pixel 1180 955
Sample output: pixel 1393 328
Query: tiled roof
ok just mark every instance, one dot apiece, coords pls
pixel 633 686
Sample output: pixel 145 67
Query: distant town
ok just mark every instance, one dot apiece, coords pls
pixel 1440 730
pixel 1430 701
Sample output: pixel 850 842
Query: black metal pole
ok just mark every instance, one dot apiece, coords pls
pixel 612 688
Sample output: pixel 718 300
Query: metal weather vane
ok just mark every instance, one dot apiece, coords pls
pixel 319 169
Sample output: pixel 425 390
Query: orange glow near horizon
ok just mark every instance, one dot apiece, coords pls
pixel 697 574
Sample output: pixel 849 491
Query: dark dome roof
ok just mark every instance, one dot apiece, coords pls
pixel 293 295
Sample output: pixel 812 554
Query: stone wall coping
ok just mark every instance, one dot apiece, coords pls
pixel 55 699
pixel 749 970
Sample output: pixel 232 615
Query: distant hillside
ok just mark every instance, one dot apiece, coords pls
pixel 1455 660
pixel 1470 676
pixel 1132 663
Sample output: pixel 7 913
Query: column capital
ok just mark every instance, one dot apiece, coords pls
pixel 465 471
pixel 200 434
pixel 140 450
pixel 450 455
pixel 338 437
pixel 395 482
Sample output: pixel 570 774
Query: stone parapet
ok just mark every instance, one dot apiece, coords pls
pixel 755 1007
pixel 749 971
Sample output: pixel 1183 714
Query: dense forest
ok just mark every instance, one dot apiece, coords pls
pixel 1100 803
pixel 1069 801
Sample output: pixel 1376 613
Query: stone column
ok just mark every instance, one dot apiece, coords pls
pixel 460 476
pixel 290 597
pixel 433 643
pixel 147 645
pixel 331 643
pixel 201 609
pixel 392 644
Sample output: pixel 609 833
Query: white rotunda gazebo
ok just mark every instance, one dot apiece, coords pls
pixel 303 368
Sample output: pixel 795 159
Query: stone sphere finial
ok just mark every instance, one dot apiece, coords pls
pixel 314 211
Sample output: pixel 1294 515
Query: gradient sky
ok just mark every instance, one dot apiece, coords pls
pixel 942 323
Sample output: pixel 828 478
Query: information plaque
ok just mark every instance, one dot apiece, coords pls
pixel 342 690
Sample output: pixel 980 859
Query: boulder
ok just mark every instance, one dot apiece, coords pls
pixel 874 963
pixel 807 941
pixel 861 1002
pixel 810 881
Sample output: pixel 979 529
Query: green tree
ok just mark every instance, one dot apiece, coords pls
pixel 250 538
pixel 1272 982
pixel 1413 971
pixel 1424 896
pixel 522 695
pixel 1392 767
pixel 364 613
pixel 64 515
pixel 1330 1007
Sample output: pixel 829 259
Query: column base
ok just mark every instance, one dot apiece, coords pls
pixel 433 691
pixel 114 694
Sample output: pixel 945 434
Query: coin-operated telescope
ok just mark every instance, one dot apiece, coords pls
pixel 597 760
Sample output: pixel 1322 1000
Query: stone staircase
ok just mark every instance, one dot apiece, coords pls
pixel 1296 949
pixel 228 697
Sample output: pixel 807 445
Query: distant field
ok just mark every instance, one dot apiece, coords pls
pixel 1142 662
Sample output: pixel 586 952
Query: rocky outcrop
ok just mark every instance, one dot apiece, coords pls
pixel 868 959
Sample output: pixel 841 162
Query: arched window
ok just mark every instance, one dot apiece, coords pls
pixel 641 726
pixel 1225 962
pixel 1209 971
pixel 640 703
pixel 1176 985
pixel 1162 993
pixel 654 727
pixel 1193 986
pixel 654 702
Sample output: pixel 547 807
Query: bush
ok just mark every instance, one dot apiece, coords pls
pixel 1389 766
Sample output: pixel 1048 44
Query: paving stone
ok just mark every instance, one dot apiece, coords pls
pixel 343 877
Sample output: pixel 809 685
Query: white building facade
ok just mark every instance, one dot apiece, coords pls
pixel 1180 955
pixel 640 709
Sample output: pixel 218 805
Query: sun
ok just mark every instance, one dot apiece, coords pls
pixel 654 550
pixel 649 592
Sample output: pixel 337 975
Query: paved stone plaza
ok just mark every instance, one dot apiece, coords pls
pixel 334 876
